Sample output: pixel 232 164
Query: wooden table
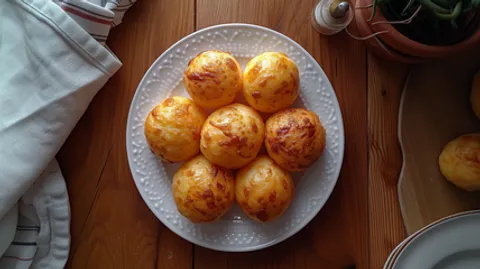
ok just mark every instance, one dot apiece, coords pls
pixel 359 226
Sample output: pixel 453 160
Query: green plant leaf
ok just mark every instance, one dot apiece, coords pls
pixel 445 3
pixel 469 5
pixel 434 7
pixel 451 16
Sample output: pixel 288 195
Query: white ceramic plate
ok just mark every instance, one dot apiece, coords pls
pixel 400 247
pixel 235 231
pixel 453 243
pixel 391 257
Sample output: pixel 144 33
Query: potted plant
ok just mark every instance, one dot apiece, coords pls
pixel 418 30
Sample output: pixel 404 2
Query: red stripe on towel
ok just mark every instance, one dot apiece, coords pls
pixel 85 16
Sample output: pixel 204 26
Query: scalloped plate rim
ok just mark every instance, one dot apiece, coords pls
pixel 341 145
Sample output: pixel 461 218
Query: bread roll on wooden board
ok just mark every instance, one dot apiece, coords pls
pixel 435 109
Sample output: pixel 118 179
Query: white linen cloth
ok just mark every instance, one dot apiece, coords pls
pixel 50 69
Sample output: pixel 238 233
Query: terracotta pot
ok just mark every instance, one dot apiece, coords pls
pixel 403 44
pixel 360 28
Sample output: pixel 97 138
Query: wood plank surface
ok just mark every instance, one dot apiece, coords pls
pixel 338 236
pixel 111 225
pixel 385 85
pixel 113 228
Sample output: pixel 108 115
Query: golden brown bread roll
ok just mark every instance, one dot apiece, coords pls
pixel 263 189
pixel 460 162
pixel 271 81
pixel 202 191
pixel 172 129
pixel 294 138
pixel 232 136
pixel 213 79
pixel 475 95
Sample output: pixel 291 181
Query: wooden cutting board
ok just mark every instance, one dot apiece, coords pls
pixel 435 109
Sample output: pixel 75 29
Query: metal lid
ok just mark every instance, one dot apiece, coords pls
pixel 339 8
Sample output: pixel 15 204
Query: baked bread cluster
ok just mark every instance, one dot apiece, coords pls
pixel 231 137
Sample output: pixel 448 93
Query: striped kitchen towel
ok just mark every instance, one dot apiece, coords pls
pixel 97 17
pixel 42 238
pixel 53 64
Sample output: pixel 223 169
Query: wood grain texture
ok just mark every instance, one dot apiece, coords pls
pixel 359 225
pixel 385 84
pixel 111 225
pixel 436 97
pixel 338 236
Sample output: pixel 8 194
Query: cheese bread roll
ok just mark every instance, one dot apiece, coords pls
pixel 295 138
pixel 213 79
pixel 460 162
pixel 172 129
pixel 263 189
pixel 202 191
pixel 232 136
pixel 271 82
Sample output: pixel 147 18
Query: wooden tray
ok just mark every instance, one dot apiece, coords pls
pixel 435 109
